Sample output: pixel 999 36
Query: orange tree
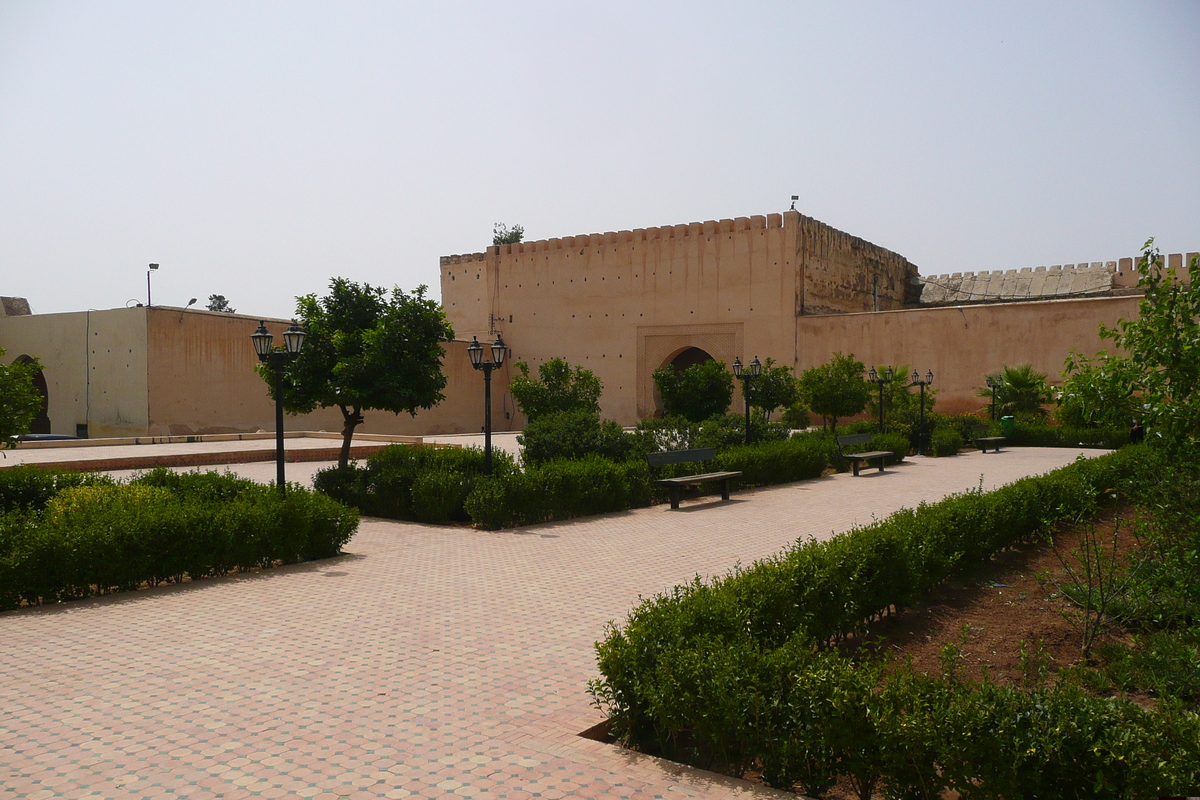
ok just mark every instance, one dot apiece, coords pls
pixel 367 349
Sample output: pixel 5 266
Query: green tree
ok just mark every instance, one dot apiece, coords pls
pixel 503 234
pixel 217 302
pixel 775 388
pixel 701 391
pixel 836 389
pixel 558 388
pixel 1163 350
pixel 1097 391
pixel 367 349
pixel 20 402
pixel 1023 392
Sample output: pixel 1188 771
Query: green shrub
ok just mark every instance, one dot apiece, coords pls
pixel 780 461
pixel 1036 434
pixel 823 591
pixel 946 442
pixel 558 490
pixel 729 430
pixel 387 484
pixel 573 434
pixel 102 537
pixel 32 487
pixel 796 416
pixel 894 443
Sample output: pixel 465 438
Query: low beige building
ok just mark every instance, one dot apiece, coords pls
pixel 171 371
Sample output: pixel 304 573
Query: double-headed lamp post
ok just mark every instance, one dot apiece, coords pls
pixel 293 340
pixel 875 377
pixel 475 351
pixel 993 383
pixel 917 380
pixel 755 369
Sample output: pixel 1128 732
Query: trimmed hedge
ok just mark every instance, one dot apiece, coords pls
pixel 557 490
pixel 945 442
pixel 806 718
pixel 95 537
pixel 1036 435
pixel 424 484
pixel 822 591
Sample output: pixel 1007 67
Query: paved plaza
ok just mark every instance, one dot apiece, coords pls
pixel 426 662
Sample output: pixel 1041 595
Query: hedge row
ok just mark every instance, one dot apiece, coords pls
pixel 441 484
pixel 822 591
pixel 73 538
pixel 805 719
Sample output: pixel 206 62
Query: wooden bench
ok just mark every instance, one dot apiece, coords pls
pixel 857 458
pixel 684 457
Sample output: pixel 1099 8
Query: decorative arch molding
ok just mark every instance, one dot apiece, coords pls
pixel 657 345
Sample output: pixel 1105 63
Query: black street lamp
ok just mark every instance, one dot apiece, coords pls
pixel 739 372
pixel 918 381
pixel 875 377
pixel 293 340
pixel 475 351
pixel 993 383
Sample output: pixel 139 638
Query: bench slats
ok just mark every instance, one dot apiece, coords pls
pixel 705 478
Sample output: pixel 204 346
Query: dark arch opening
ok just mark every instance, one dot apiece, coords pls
pixel 41 423
pixel 689 358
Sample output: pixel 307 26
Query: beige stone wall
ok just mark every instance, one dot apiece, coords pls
pixel 625 303
pixel 202 380
pixel 158 371
pixel 844 273
pixel 94 363
pixel 962 345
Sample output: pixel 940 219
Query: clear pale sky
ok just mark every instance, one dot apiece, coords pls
pixel 255 150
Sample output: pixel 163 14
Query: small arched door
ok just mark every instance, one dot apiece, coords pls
pixel 41 423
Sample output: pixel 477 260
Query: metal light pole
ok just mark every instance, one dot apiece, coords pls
pixel 475 351
pixel 740 372
pixel 994 383
pixel 875 377
pixel 293 339
pixel 153 267
pixel 917 381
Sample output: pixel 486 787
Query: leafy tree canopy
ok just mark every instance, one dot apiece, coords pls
pixel 1162 348
pixel 503 234
pixel 836 389
pixel 217 302
pixel 701 391
pixel 1023 392
pixel 20 402
pixel 367 349
pixel 1097 392
pixel 558 388
pixel 775 388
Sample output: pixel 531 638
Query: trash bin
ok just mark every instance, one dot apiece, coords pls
pixel 1009 426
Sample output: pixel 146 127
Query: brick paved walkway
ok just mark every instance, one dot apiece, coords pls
pixel 428 662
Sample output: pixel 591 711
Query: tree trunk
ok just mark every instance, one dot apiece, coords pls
pixel 351 419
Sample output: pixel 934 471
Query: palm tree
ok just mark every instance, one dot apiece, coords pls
pixel 1022 391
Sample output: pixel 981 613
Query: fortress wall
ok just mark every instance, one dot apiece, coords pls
pixel 1058 281
pixel 845 273
pixel 962 344
pixel 465 292
pixel 594 299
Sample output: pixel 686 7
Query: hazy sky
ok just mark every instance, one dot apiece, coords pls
pixel 255 150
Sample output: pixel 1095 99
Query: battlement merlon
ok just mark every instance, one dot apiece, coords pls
pixel 788 219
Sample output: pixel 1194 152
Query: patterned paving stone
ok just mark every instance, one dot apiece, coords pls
pixel 427 662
